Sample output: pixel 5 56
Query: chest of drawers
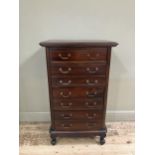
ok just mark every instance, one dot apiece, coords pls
pixel 78 74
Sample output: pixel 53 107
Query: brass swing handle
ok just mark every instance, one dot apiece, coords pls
pixel 64 57
pixel 65 83
pixel 89 116
pixel 91 94
pixel 91 105
pixel 93 57
pixel 66 116
pixel 65 95
pixel 65 71
pixel 92 71
pixel 90 125
pixel 65 105
pixel 66 125
pixel 91 83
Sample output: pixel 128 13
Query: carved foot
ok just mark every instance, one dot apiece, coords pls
pixel 53 141
pixel 53 138
pixel 102 140
pixel 102 136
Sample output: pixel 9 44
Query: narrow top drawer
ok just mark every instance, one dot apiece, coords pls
pixel 78 54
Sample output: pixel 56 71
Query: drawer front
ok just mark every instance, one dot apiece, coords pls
pixel 77 69
pixel 78 54
pixel 77 125
pixel 78 81
pixel 76 92
pixel 78 104
pixel 78 115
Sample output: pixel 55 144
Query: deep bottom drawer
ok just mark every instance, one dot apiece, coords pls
pixel 77 125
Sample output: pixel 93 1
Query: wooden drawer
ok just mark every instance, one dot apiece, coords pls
pixel 78 104
pixel 79 54
pixel 77 125
pixel 77 92
pixel 77 68
pixel 78 115
pixel 78 81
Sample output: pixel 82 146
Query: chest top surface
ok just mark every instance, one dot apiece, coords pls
pixel 77 43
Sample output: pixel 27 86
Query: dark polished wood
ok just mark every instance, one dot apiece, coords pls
pixel 78 125
pixel 73 68
pixel 64 81
pixel 78 74
pixel 86 115
pixel 76 92
pixel 78 43
pixel 79 54
pixel 78 104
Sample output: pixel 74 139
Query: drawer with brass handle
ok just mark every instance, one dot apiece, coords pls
pixel 76 92
pixel 78 104
pixel 79 54
pixel 78 125
pixel 63 69
pixel 78 115
pixel 78 81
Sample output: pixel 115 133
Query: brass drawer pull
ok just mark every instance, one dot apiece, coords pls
pixel 90 125
pixel 93 57
pixel 66 116
pixel 90 105
pixel 91 116
pixel 65 83
pixel 65 106
pixel 91 94
pixel 92 71
pixel 65 71
pixel 91 83
pixel 64 57
pixel 66 125
pixel 65 96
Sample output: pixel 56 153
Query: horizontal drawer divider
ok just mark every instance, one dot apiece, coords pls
pixel 77 85
pixel 79 62
pixel 77 76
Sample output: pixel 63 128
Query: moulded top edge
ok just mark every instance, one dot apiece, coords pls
pixel 79 43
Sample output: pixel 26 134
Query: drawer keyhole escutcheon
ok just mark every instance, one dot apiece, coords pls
pixel 91 70
pixel 65 95
pixel 64 57
pixel 65 71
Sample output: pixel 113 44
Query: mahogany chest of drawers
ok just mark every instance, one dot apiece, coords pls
pixel 78 74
